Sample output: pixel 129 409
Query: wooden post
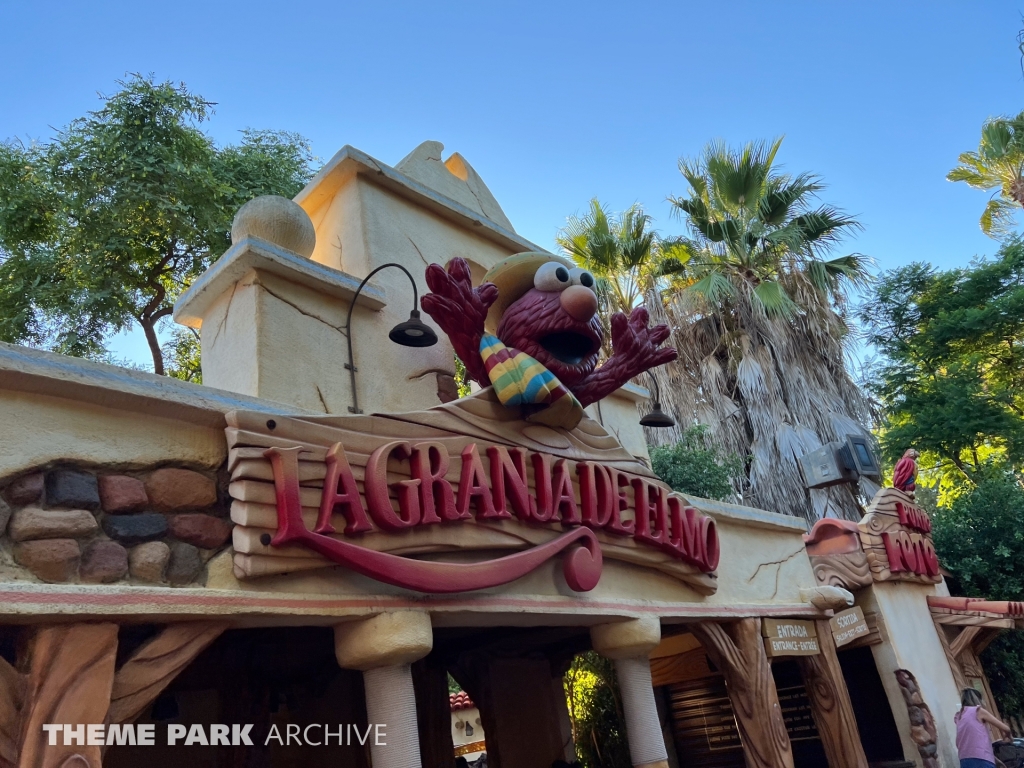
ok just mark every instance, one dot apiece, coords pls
pixel 830 704
pixel 433 712
pixel 70 675
pixel 737 649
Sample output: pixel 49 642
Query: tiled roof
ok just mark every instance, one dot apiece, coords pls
pixel 459 701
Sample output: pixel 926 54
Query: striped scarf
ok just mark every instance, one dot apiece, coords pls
pixel 520 380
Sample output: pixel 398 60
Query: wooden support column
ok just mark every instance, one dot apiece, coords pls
pixel 433 712
pixel 830 704
pixel 70 675
pixel 737 649
pixel 153 666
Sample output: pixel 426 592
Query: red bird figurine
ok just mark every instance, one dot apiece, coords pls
pixel 532 331
pixel 904 474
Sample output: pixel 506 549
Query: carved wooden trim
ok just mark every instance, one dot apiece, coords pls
pixel 963 640
pixel 12 697
pixel 737 649
pixel 882 521
pixel 70 675
pixel 847 570
pixel 830 704
pixel 951 659
pixel 153 666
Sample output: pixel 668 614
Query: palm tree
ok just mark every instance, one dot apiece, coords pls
pixel 998 164
pixel 759 311
pixel 621 251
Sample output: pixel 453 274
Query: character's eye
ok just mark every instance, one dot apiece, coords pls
pixel 551 277
pixel 579 276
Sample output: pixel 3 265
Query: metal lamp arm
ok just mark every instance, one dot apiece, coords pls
pixel 354 408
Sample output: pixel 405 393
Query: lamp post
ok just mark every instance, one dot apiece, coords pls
pixel 412 333
pixel 657 417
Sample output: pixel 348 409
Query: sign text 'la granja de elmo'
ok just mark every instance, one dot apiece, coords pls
pixel 532 487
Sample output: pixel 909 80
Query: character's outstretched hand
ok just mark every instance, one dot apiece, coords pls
pixel 636 344
pixel 635 349
pixel 460 310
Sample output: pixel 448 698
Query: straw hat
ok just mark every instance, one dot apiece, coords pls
pixel 514 277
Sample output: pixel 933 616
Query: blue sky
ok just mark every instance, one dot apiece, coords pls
pixel 555 103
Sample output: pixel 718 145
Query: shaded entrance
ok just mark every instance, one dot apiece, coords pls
pixel 285 677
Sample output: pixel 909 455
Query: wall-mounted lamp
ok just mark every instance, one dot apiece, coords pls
pixel 412 333
pixel 657 417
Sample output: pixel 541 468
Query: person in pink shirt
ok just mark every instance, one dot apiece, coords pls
pixel 972 737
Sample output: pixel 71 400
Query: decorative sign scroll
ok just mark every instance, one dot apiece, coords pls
pixel 848 626
pixel 896 537
pixel 790 637
pixel 369 492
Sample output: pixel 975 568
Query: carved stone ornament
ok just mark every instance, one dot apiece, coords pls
pixel 374 492
pixel 891 542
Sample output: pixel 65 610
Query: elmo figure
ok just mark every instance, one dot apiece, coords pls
pixel 532 332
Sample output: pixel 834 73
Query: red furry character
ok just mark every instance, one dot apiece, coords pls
pixel 545 307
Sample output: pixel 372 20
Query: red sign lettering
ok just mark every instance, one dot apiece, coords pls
pixel 660 518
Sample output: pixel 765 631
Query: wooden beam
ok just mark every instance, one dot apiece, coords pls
pixel 737 649
pixel 830 704
pixel 984 640
pixel 153 666
pixel 963 640
pixel 954 663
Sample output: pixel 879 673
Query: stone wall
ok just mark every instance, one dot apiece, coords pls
pixel 72 524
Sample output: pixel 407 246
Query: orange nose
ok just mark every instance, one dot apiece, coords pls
pixel 580 302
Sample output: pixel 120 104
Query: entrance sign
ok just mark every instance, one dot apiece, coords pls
pixel 790 637
pixel 848 626
pixel 367 492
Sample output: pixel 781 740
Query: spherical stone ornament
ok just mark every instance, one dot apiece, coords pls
pixel 277 220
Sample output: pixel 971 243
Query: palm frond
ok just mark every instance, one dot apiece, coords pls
pixel 714 288
pixel 773 299
pixel 998 217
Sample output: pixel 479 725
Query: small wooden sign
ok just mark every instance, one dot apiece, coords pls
pixel 790 637
pixel 848 626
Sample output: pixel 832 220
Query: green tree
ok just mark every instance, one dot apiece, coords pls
pixel 102 228
pixel 595 712
pixel 980 541
pixel 691 467
pixel 760 312
pixel 623 252
pixel 998 164
pixel 951 377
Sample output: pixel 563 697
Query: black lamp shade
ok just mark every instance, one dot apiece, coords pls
pixel 413 332
pixel 657 418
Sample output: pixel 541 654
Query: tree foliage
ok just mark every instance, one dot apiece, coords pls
pixel 623 252
pixel 759 304
pixel 951 377
pixel 997 164
pixel 103 227
pixel 691 467
pixel 595 712
pixel 980 539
